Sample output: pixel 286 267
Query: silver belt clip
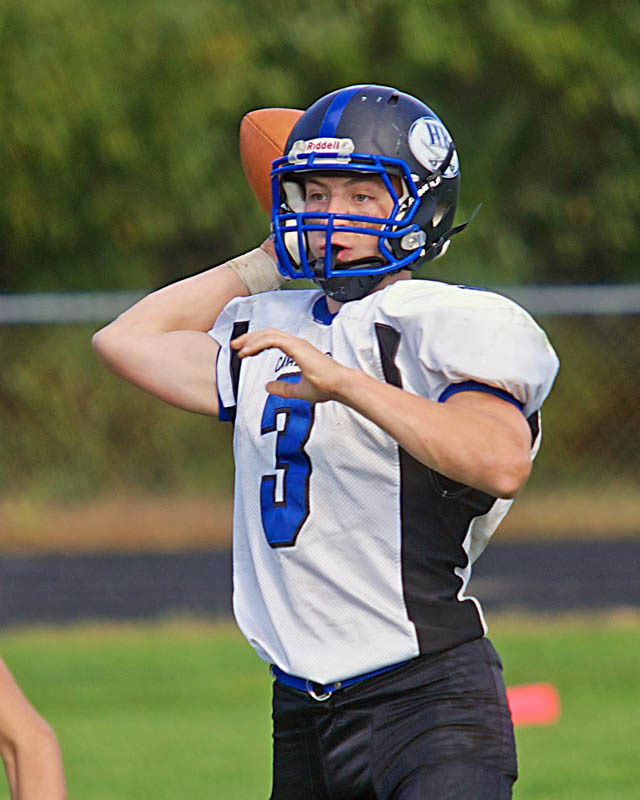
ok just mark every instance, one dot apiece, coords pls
pixel 312 692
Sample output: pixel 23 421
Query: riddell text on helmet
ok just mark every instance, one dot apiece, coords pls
pixel 340 147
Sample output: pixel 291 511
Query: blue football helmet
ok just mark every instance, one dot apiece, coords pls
pixel 375 130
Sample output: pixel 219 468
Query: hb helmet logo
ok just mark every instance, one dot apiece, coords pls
pixel 429 142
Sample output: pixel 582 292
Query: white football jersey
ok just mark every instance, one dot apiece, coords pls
pixel 350 555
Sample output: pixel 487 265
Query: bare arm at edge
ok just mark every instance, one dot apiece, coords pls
pixel 28 745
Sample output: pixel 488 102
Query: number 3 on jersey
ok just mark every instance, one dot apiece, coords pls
pixel 284 495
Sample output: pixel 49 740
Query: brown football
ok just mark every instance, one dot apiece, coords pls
pixel 263 135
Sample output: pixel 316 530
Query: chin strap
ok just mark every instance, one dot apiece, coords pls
pixel 345 288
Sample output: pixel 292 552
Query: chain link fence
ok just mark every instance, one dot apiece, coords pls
pixel 78 444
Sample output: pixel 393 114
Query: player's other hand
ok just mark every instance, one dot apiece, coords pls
pixel 321 375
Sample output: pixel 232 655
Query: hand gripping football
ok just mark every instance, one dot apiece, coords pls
pixel 263 135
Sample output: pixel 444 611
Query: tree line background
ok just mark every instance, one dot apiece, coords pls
pixel 119 169
pixel 119 122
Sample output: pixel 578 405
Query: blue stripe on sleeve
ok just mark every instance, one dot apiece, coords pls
pixel 475 386
pixel 223 413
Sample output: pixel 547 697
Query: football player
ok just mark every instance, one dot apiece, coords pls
pixel 383 427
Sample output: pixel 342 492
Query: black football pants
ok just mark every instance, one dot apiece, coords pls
pixel 436 729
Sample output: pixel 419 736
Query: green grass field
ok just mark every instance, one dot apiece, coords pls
pixel 180 709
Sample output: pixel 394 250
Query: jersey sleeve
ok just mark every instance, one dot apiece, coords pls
pixel 472 339
pixel 232 322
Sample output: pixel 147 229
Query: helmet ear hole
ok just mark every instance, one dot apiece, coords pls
pixel 440 213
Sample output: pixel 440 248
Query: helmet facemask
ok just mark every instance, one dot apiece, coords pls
pixel 399 240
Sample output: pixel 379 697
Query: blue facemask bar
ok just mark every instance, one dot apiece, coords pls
pixel 291 223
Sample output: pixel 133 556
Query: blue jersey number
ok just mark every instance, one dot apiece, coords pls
pixel 284 495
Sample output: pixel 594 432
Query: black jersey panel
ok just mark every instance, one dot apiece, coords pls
pixel 436 514
pixel 235 363
pixel 388 341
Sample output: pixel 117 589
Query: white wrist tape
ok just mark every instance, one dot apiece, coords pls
pixel 257 270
